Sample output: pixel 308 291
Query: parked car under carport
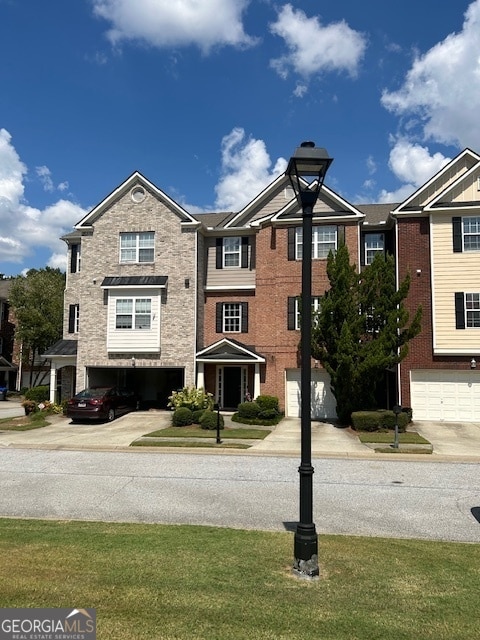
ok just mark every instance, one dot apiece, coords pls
pixel 101 403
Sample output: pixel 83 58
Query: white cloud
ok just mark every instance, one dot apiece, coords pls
pixel 167 23
pixel 314 48
pixel 413 165
pixel 26 229
pixel 246 170
pixel 442 88
pixel 45 176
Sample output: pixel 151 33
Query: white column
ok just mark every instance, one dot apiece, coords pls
pixel 53 381
pixel 256 381
pixel 200 375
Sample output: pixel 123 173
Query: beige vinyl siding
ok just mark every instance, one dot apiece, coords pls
pixel 276 202
pixel 451 272
pixel 467 192
pixel 429 193
pixel 230 277
pixel 134 340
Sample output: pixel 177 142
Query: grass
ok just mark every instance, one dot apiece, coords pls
pixel 24 423
pixel 195 583
pixel 382 437
pixel 189 443
pixel 195 431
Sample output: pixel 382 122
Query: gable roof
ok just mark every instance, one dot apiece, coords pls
pixel 449 175
pixel 135 179
pixel 228 349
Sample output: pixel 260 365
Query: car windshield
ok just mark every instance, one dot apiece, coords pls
pixel 97 392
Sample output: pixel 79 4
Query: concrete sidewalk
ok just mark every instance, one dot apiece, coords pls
pixel 449 440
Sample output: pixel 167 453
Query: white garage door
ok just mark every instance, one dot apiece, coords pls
pixel 452 396
pixel 323 401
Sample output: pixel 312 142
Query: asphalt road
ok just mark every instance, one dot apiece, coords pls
pixel 438 501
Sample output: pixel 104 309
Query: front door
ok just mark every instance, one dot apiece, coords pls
pixel 231 387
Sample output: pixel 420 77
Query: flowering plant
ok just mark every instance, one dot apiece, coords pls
pixel 192 398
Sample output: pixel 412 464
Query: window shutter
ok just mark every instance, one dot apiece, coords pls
pixel 291 313
pixel 71 318
pixel 73 258
pixel 291 243
pixel 244 253
pixel 459 310
pixel 244 317
pixel 219 255
pixel 219 317
pixel 457 234
pixel 340 235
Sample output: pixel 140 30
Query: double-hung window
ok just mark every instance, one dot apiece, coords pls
pixel 232 252
pixel 137 247
pixel 374 245
pixel 324 240
pixel 232 317
pixel 472 310
pixel 471 234
pixel 294 311
pixel 133 313
pixel 73 318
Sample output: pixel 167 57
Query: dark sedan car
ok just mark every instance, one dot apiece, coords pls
pixel 101 403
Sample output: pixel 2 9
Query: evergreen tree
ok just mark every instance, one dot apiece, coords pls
pixel 37 301
pixel 362 329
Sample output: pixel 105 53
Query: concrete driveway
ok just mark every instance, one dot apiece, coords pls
pixel 450 440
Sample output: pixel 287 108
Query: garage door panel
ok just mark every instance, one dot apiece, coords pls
pixel 323 401
pixel 452 396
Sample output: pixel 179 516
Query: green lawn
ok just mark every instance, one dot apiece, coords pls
pixel 183 582
pixel 24 423
pixel 382 437
pixel 195 431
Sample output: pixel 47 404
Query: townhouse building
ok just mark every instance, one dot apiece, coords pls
pixel 157 299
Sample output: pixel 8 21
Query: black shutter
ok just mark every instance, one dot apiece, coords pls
pixel 71 318
pixel 219 256
pixel 457 234
pixel 73 258
pixel 244 253
pixel 219 317
pixel 291 243
pixel 244 306
pixel 459 310
pixel 340 235
pixel 291 315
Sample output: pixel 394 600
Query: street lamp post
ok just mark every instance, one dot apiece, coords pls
pixel 306 171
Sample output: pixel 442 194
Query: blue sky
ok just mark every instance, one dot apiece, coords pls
pixel 209 99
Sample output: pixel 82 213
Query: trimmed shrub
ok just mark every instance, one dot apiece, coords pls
pixel 268 414
pixel 182 417
pixel 209 420
pixel 266 422
pixel 249 410
pixel 267 403
pixel 196 415
pixel 378 420
pixel 38 394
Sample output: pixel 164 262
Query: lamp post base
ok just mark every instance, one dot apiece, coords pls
pixel 305 552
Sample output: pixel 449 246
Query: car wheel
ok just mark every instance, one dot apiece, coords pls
pixel 111 415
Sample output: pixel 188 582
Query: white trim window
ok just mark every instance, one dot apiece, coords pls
pixel 232 317
pixel 316 305
pixel 471 234
pixel 133 313
pixel 374 245
pixel 472 310
pixel 324 240
pixel 137 247
pixel 232 248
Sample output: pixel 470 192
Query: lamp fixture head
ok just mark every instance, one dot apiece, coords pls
pixel 473 363
pixel 306 170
